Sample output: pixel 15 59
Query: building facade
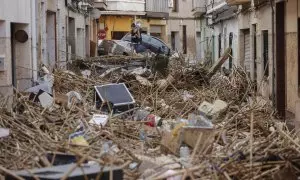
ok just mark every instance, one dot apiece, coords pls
pixel 181 28
pixel 246 27
pixel 118 15
pixel 287 38
pixel 17 45
pixel 64 29
pixel 37 32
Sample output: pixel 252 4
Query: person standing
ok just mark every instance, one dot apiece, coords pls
pixel 136 37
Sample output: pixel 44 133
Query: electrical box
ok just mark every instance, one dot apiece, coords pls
pixel 2 63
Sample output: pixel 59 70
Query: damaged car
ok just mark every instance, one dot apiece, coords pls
pixel 125 47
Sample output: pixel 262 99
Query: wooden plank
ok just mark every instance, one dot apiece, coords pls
pixel 191 134
pixel 217 65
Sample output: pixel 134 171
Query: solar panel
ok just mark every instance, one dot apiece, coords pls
pixel 116 94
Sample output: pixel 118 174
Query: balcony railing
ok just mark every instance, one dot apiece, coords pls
pixel 100 4
pixel 237 2
pixel 199 7
pixel 157 8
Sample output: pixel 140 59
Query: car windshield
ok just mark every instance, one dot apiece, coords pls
pixel 127 37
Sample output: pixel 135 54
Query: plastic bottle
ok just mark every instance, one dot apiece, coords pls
pixel 184 152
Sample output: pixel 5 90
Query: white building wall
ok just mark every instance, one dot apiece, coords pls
pixel 183 17
pixel 17 12
pixel 206 42
pixel 62 32
pixel 126 5
pixel 262 18
pixel 225 28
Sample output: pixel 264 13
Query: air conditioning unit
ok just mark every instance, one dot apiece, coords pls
pixel 171 4
pixel 67 2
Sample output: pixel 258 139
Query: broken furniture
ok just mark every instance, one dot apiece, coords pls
pixel 57 172
pixel 113 98
pixel 188 135
pixel 61 158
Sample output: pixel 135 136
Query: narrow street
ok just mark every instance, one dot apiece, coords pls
pixel 149 89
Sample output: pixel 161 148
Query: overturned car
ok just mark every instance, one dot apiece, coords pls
pixel 125 47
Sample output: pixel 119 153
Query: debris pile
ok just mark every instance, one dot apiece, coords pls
pixel 184 124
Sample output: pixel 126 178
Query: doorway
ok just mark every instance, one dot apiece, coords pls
pixel 20 56
pixel 280 58
pixel 254 46
pixel 198 45
pixel 51 38
pixel 231 52
pixel 265 53
pixel 71 37
pixel 80 45
pixel 87 41
pixel 184 40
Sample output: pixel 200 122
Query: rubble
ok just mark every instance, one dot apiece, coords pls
pixel 242 141
pixel 4 132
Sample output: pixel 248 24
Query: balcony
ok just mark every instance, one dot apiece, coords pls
pixel 198 8
pixel 100 4
pixel 157 8
pixel 121 7
pixel 237 2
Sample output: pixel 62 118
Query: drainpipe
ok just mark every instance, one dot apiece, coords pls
pixel 33 40
pixel 67 34
pixel 252 3
pixel 273 55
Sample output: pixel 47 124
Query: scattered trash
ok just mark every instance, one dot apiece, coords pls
pixel 186 96
pixel 86 73
pixel 163 83
pixel 78 139
pixel 46 100
pixel 219 106
pixel 199 121
pixel 143 135
pixel 99 119
pixel 171 175
pixel 143 81
pixel 61 158
pixel 206 109
pixel 222 144
pixel 152 120
pixel 184 155
pixel 141 115
pixel 105 148
pixel 212 111
pixel 73 97
pixel 109 71
pixel 139 71
pixel 59 172
pixel 133 165
pixel 4 132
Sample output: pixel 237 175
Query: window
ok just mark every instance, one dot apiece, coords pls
pixel 254 52
pixel 266 53
pixel 220 45
pixel 117 35
pixel 184 40
pixel 175 6
pixel 231 53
